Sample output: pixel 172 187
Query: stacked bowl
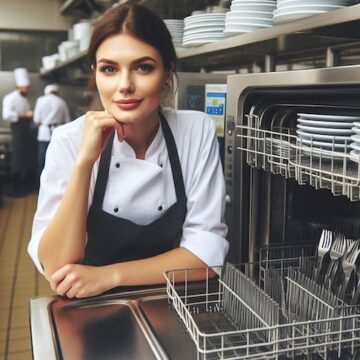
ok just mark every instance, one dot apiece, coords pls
pixel 176 29
pixel 203 28
pixel 291 10
pixel 249 15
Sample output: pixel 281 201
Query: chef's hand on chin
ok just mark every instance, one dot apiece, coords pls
pixel 79 281
pixel 97 129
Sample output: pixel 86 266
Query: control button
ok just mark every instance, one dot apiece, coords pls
pixel 117 165
pixel 116 210
pixel 229 149
pixel 229 166
pixel 230 132
pixel 160 208
pixel 228 200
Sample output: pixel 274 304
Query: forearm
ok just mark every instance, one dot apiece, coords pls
pixel 63 241
pixel 150 270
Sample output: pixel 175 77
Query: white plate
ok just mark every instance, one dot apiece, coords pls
pixel 245 21
pixel 204 30
pixel 244 28
pixel 300 8
pixel 329 131
pixel 313 2
pixel 237 32
pixel 337 139
pixel 198 42
pixel 357 124
pixel 204 35
pixel 253 7
pixel 355 146
pixel 355 138
pixel 260 14
pixel 330 124
pixel 326 117
pixel 204 24
pixel 356 130
pixel 321 144
pixel 204 17
pixel 293 16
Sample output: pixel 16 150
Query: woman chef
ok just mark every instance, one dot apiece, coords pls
pixel 134 189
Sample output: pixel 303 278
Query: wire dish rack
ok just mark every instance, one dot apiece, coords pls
pixel 269 310
pixel 281 151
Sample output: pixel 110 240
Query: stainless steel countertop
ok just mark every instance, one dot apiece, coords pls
pixel 136 324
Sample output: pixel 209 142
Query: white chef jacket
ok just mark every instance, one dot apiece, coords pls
pixel 49 110
pixel 142 190
pixel 14 104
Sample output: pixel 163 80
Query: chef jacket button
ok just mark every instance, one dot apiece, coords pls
pixel 116 210
pixel 160 208
pixel 117 165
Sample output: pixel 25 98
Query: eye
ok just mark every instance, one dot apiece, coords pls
pixel 107 69
pixel 144 68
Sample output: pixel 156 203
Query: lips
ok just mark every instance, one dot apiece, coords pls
pixel 128 104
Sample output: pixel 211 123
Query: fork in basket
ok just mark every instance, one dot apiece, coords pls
pixel 348 267
pixel 337 251
pixel 323 250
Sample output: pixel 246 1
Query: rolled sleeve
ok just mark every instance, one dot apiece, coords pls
pixel 33 252
pixel 204 229
pixel 9 112
pixel 207 246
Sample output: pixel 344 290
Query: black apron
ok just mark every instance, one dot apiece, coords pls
pixel 21 146
pixel 112 239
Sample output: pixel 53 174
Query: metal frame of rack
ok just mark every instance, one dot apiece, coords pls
pixel 281 151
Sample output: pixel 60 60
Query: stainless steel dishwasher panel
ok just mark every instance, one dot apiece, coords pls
pixel 249 189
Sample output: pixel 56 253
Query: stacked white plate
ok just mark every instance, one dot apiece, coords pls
pixel 355 145
pixel 291 10
pixel 249 15
pixel 82 33
pixel 203 29
pixel 176 29
pixel 326 132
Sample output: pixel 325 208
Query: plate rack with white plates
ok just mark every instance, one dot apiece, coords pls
pixel 322 160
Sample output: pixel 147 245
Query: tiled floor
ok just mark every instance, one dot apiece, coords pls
pixel 19 281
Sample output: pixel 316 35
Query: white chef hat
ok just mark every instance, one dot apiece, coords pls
pixel 51 88
pixel 21 77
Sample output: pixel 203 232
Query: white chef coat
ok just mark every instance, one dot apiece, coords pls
pixel 14 104
pixel 49 110
pixel 142 190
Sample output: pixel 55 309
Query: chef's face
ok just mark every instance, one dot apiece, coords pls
pixel 130 78
pixel 23 90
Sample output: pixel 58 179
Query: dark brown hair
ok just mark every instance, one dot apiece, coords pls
pixel 138 21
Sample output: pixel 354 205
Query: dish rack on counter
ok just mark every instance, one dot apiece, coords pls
pixel 281 151
pixel 269 310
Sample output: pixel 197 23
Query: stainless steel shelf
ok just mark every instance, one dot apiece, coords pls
pixel 328 29
pixel 315 33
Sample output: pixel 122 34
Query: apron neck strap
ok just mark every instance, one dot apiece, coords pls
pixel 104 165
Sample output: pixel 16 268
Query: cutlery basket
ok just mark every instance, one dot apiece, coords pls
pixel 269 310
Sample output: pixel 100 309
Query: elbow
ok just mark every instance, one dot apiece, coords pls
pixel 51 266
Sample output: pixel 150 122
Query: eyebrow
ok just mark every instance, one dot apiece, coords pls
pixel 137 61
